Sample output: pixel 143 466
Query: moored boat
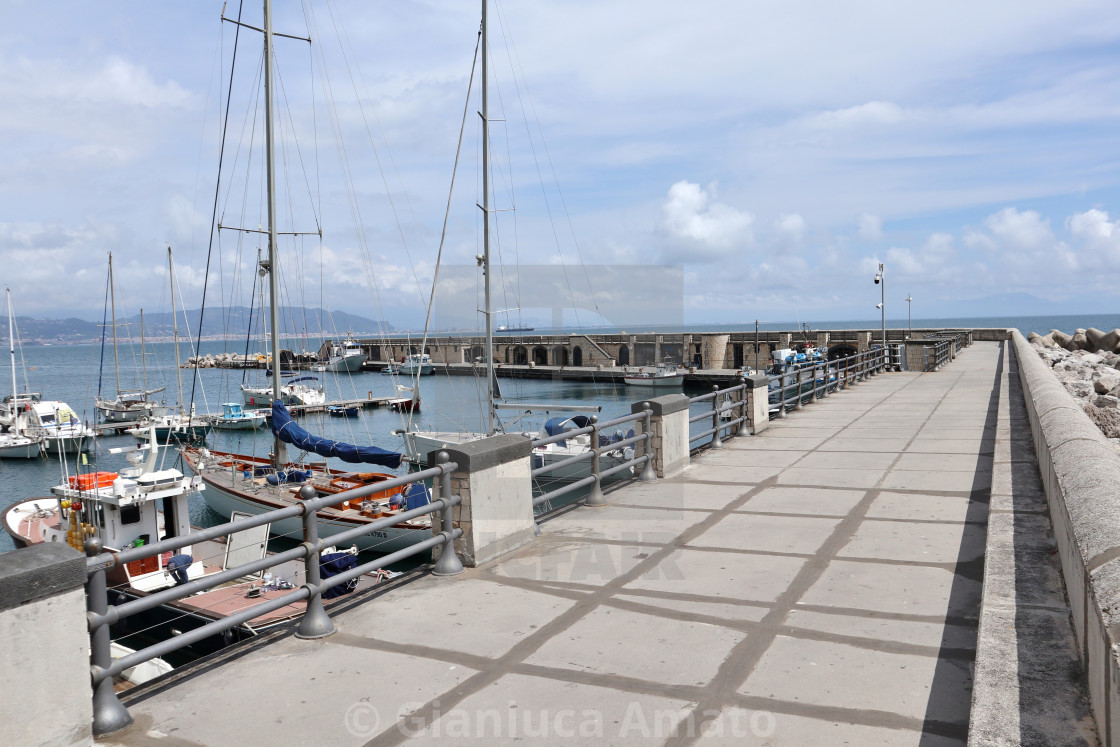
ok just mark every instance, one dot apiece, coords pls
pixel 234 418
pixel 663 376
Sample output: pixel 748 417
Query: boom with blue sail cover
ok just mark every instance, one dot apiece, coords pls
pixel 285 429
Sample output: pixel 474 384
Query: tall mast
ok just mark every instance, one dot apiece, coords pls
pixel 143 356
pixel 278 458
pixel 113 306
pixel 486 228
pixel 175 326
pixel 12 349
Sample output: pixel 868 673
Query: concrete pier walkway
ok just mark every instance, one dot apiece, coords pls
pixel 819 583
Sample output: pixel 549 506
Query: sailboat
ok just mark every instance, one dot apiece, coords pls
pixel 130 405
pixel 178 424
pixel 252 484
pixel 419 444
pixel 15 445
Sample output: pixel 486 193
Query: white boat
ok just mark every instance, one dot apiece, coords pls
pixel 345 356
pixel 663 376
pixel 417 364
pixel 305 390
pixel 16 445
pixel 59 427
pixel 234 418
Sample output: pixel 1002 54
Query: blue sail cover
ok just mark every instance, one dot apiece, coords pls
pixel 285 429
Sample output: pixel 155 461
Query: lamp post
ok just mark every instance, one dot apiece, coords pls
pixel 909 321
pixel 881 281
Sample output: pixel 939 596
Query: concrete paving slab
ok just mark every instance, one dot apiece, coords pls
pixel 762 533
pixel 944 462
pixel 932 635
pixel 558 560
pixel 890 505
pixel 847 460
pixel 716 575
pixel 842 676
pixel 622 522
pixel 898 589
pixel 927 445
pixel 849 442
pixel 646 647
pixel 689 607
pixel 936 481
pixel 815 501
pixel 736 475
pixel 676 493
pixel 474 614
pixel 846 478
pixel 522 709
pixel 916 542
pixel 756 457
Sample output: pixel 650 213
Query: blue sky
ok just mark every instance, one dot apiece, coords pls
pixel 775 152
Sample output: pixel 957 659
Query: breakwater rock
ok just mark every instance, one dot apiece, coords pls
pixel 1093 378
pixel 1092 340
pixel 221 360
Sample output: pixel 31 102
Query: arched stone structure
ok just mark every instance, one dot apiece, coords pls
pixel 577 356
pixel 560 356
pixel 540 356
pixel 519 356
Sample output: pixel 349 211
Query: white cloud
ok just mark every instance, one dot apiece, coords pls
pixel 870 227
pixel 691 213
pixel 1099 235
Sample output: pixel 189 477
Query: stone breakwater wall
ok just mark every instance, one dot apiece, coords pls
pixel 1091 374
pixel 1090 340
pixel 1080 473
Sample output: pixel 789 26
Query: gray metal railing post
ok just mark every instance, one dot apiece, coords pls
pixel 797 390
pixel 648 473
pixel 448 563
pixel 781 396
pixel 595 496
pixel 825 367
pixel 716 442
pixel 109 715
pixel 741 410
pixel 315 623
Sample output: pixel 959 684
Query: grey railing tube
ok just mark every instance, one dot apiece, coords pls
pixel 449 563
pixel 716 442
pixel 109 715
pixel 315 623
pixel 595 497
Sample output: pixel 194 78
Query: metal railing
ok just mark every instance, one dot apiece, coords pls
pixel 109 714
pixel 816 381
pixel 939 353
pixel 595 453
pixel 724 402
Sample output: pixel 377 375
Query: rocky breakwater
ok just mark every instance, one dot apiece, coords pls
pixel 1088 365
pixel 222 360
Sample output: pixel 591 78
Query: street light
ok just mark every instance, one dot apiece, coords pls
pixel 881 281
pixel 909 323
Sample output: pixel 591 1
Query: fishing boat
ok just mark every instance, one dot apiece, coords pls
pixel 16 445
pixel 417 364
pixel 57 425
pixel 143 504
pixel 345 356
pixel 130 405
pixel 664 375
pixel 234 418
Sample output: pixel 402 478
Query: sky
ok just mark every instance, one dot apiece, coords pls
pixel 762 158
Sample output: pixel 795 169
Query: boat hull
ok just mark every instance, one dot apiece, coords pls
pixel 349 363
pixel 238 424
pixel 21 449
pixel 656 381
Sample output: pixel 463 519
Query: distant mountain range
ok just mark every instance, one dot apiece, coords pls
pixel 231 321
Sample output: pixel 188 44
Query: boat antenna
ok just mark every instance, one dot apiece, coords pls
pixel 489 312
pixel 278 458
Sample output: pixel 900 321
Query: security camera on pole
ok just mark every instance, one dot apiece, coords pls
pixel 881 281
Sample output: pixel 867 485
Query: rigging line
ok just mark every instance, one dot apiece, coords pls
pixel 377 156
pixel 217 192
pixel 447 209
pixel 552 166
pixel 104 321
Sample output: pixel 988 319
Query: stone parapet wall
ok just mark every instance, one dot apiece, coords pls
pixel 1080 472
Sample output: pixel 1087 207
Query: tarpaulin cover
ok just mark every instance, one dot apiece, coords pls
pixel 285 429
pixel 333 564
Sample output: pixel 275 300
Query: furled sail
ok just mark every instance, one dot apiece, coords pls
pixel 285 429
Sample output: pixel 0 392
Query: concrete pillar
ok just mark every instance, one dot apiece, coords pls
pixel 670 433
pixel 758 403
pixel 863 341
pixel 45 677
pixel 714 350
pixel 785 340
pixel 823 339
pixel 493 478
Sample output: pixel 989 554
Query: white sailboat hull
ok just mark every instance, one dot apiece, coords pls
pixel 18 447
pixel 652 381
pixel 346 363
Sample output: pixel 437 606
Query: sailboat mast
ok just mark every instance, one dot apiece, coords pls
pixel 175 326
pixel 113 307
pixel 489 313
pixel 143 356
pixel 273 266
pixel 12 349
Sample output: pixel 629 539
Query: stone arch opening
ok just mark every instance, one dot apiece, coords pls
pixel 520 356
pixel 623 355
pixel 560 356
pixel 540 356
pixel 577 356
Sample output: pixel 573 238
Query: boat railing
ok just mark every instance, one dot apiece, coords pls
pixel 110 715
pixel 594 454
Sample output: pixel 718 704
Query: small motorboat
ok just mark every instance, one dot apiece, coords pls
pixel 342 411
pixel 664 375
pixel 234 418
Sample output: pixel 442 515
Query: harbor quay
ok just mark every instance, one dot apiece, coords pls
pixel 916 557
